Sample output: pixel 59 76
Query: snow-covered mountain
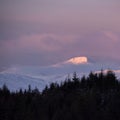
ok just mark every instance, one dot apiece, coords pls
pixel 77 60
pixel 17 77
pixel 17 81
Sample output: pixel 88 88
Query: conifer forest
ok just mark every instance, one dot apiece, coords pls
pixel 92 97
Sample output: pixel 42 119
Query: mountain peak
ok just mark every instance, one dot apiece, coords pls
pixel 77 60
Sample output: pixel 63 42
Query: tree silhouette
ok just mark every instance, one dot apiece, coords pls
pixel 96 97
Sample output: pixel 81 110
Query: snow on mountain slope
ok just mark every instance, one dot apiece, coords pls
pixel 21 77
pixel 72 61
pixel 17 81
pixel 18 77
pixel 77 60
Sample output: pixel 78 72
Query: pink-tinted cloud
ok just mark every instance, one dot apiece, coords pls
pixel 112 36
pixel 38 43
pixel 41 49
pixel 43 31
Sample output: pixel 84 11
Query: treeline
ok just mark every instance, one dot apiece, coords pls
pixel 96 97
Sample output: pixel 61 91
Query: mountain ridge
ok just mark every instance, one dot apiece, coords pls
pixel 38 76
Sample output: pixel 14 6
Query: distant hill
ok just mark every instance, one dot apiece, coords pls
pixel 17 77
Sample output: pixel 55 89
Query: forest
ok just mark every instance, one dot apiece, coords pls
pixel 92 97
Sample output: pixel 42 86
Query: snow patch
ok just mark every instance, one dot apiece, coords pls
pixel 77 60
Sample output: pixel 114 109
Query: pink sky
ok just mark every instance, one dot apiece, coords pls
pixel 46 32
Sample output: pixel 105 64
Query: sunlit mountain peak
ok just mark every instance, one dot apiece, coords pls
pixel 77 60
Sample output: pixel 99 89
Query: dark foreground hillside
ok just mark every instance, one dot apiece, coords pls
pixel 96 97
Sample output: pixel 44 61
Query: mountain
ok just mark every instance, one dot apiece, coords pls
pixel 77 60
pixel 73 61
pixel 16 81
pixel 17 77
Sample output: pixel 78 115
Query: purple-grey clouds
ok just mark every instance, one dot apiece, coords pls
pixel 43 32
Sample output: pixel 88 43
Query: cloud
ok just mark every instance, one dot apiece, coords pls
pixel 42 31
pixel 111 35
pixel 50 48
pixel 40 42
